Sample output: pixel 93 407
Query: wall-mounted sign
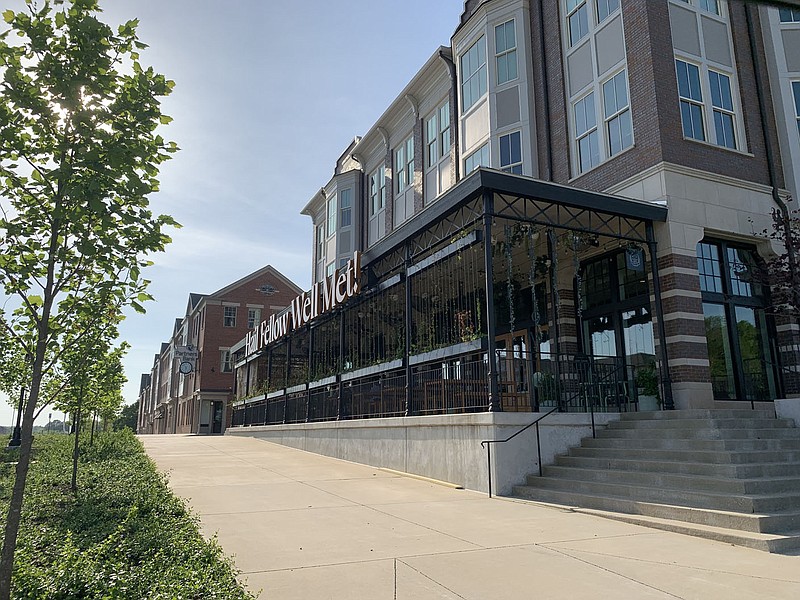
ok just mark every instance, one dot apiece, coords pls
pixel 185 353
pixel 322 298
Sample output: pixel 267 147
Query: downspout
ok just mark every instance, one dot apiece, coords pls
pixel 548 136
pixel 454 117
pixel 771 168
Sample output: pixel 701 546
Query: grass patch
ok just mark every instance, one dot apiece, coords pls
pixel 125 535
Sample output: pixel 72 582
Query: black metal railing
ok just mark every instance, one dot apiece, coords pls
pixel 526 382
pixel 582 382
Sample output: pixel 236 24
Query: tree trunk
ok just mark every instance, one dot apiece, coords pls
pixel 14 514
pixel 76 449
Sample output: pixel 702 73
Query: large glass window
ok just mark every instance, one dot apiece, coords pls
pixel 473 74
pixel 796 93
pixel 737 331
pixel 505 39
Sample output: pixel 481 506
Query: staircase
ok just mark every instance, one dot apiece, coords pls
pixel 728 475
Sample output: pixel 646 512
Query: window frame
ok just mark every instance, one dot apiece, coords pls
pixel 331 216
pixel 576 8
pixel 598 18
pixel 404 164
pixel 795 87
pixel 586 134
pixel 253 317
pixel 483 148
pixel 377 191
pixel 792 13
pixel 346 212
pixel 618 114
pixel 229 320
pixel 512 166
pixel 480 73
pixel 506 52
pixel 225 360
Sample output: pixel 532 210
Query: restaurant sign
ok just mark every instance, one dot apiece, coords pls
pixel 323 297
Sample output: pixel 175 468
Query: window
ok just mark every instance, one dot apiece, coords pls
pixel 721 129
pixel 617 114
pixel 253 317
pixel 330 269
pixel 479 158
pixel 505 40
pixel 473 74
pixel 331 216
pixel 789 15
pixel 225 365
pixel 320 241
pixel 404 164
pixel 437 135
pixel 511 153
pixel 691 99
pixel 796 92
pixel 377 190
pixel 722 104
pixel 586 134
pixel 229 316
pixel 711 6
pixel 737 331
pixel 345 208
pixel 605 8
pixel 578 20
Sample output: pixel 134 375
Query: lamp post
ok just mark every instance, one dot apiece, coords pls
pixel 16 437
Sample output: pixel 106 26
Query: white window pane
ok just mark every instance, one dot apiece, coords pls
pixel 512 65
pixel 502 69
pixel 591 118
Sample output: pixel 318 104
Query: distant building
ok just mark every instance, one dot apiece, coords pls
pixel 191 382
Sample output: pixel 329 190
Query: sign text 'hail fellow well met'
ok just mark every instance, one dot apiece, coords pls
pixel 323 297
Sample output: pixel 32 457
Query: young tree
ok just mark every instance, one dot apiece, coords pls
pixel 79 154
pixel 782 273
pixel 127 417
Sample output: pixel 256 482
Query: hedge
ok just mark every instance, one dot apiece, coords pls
pixel 124 535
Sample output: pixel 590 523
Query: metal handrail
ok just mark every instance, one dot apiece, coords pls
pixel 488 443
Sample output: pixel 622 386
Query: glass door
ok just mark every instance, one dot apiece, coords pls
pixel 515 362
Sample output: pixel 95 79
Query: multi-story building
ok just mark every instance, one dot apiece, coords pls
pixel 191 382
pixel 562 209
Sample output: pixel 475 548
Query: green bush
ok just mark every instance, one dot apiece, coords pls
pixel 124 535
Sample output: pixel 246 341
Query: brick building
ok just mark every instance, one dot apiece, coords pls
pixel 191 382
pixel 560 210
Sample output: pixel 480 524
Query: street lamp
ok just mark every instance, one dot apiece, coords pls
pixel 16 437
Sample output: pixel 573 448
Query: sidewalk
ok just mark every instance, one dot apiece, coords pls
pixel 304 526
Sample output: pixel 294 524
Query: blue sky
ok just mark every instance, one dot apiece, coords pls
pixel 268 94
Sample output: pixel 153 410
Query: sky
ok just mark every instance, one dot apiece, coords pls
pixel 267 95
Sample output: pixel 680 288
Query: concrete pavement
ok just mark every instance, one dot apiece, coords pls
pixel 304 526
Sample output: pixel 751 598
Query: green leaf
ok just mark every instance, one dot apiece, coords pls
pixel 165 119
pixel 8 16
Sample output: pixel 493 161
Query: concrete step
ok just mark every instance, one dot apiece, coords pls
pixel 704 456
pixel 738 471
pixel 704 433
pixel 671 481
pixel 697 414
pixel 734 502
pixel 776 523
pixel 634 444
pixel 768 423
